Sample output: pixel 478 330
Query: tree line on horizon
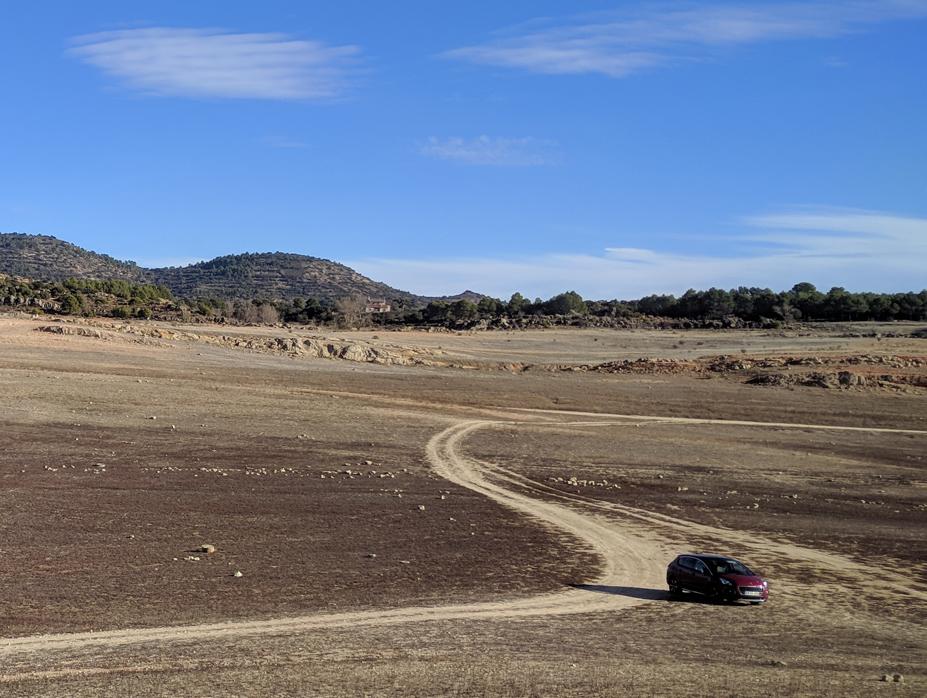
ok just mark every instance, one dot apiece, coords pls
pixel 125 299
pixel 803 302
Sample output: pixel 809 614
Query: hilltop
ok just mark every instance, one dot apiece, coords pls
pixel 268 276
pixel 46 258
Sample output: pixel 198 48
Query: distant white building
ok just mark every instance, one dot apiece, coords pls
pixel 377 305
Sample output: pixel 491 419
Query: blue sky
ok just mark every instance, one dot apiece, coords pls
pixel 617 149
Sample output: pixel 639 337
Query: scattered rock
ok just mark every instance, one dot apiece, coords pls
pixel 237 573
pixel 79 331
pixel 207 549
pixel 773 379
pixel 846 378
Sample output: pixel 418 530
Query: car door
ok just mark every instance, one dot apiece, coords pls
pixel 685 572
pixel 701 577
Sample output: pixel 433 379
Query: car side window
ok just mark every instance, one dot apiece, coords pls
pixel 700 567
pixel 687 563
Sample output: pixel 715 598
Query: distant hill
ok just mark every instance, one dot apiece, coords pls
pixel 467 295
pixel 269 276
pixel 273 275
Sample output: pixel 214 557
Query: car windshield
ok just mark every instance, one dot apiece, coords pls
pixel 729 567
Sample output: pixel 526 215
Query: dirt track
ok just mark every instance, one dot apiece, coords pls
pixel 633 562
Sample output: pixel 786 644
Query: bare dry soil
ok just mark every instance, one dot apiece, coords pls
pixel 486 515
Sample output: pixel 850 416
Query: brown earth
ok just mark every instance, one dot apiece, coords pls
pixel 535 566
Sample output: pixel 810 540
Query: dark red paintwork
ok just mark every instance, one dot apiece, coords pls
pixel 717 576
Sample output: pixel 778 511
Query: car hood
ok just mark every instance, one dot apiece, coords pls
pixel 743 580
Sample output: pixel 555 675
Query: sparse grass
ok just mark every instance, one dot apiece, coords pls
pixel 482 676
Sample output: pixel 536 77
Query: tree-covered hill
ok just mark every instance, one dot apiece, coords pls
pixel 273 276
pixel 268 276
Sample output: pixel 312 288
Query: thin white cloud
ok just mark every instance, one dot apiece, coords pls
pixel 485 150
pixel 625 42
pixel 859 250
pixel 217 64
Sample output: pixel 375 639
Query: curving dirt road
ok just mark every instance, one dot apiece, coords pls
pixel 633 559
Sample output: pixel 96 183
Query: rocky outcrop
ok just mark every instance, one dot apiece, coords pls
pixel 317 347
pixel 833 372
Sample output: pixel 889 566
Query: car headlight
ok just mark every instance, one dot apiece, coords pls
pixel 765 584
pixel 726 582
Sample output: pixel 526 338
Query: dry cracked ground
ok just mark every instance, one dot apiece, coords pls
pixel 443 514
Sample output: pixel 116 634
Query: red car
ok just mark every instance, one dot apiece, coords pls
pixel 716 576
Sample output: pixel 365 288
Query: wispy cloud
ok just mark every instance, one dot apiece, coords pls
pixel 485 150
pixel 860 250
pixel 217 64
pixel 621 43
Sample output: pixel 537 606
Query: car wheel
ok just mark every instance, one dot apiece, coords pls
pixel 675 590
